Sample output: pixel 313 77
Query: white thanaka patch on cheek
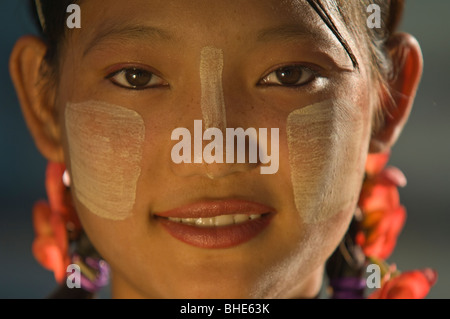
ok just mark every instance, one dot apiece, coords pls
pixel 325 141
pixel 105 145
pixel 212 98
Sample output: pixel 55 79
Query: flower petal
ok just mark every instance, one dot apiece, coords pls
pixel 414 284
pixel 378 196
pixel 41 219
pixel 394 176
pixel 376 162
pixel 380 231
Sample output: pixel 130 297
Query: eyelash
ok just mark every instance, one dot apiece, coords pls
pixel 120 79
pixel 313 74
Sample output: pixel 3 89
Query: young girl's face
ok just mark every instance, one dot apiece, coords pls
pixel 137 70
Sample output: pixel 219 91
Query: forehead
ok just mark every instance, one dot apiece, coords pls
pixel 211 17
pixel 220 23
pixel 209 10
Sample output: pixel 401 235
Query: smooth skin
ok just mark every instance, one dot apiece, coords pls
pixel 287 259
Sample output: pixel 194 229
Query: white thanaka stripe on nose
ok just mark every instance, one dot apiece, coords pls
pixel 212 98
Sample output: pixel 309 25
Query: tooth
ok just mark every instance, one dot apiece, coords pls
pixel 205 222
pixel 189 221
pixel 224 220
pixel 238 219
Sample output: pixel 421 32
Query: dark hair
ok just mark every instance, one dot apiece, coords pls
pixel 54 31
pixel 347 261
pixel 376 38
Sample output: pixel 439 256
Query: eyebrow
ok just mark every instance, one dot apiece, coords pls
pixel 285 32
pixel 126 32
pixel 294 32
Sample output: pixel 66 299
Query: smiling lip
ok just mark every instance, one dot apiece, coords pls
pixel 259 217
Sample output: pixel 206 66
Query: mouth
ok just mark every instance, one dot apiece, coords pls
pixel 216 224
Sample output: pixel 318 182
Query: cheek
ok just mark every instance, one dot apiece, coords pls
pixel 105 145
pixel 327 152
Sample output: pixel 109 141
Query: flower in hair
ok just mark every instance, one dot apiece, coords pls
pixel 413 284
pixel 383 218
pixel 55 224
pixel 50 247
pixel 383 215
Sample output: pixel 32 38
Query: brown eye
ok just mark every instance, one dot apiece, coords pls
pixel 137 79
pixel 292 75
pixel 289 75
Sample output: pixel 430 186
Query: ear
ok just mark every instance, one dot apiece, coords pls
pixel 36 98
pixel 407 64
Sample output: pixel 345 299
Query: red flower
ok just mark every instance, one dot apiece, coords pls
pixel 50 247
pixel 376 162
pixel 408 285
pixel 383 216
pixel 381 229
pixel 51 221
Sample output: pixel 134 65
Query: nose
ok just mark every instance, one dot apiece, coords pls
pixel 212 97
pixel 217 151
pixel 213 152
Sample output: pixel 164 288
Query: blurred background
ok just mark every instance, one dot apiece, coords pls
pixel 422 153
